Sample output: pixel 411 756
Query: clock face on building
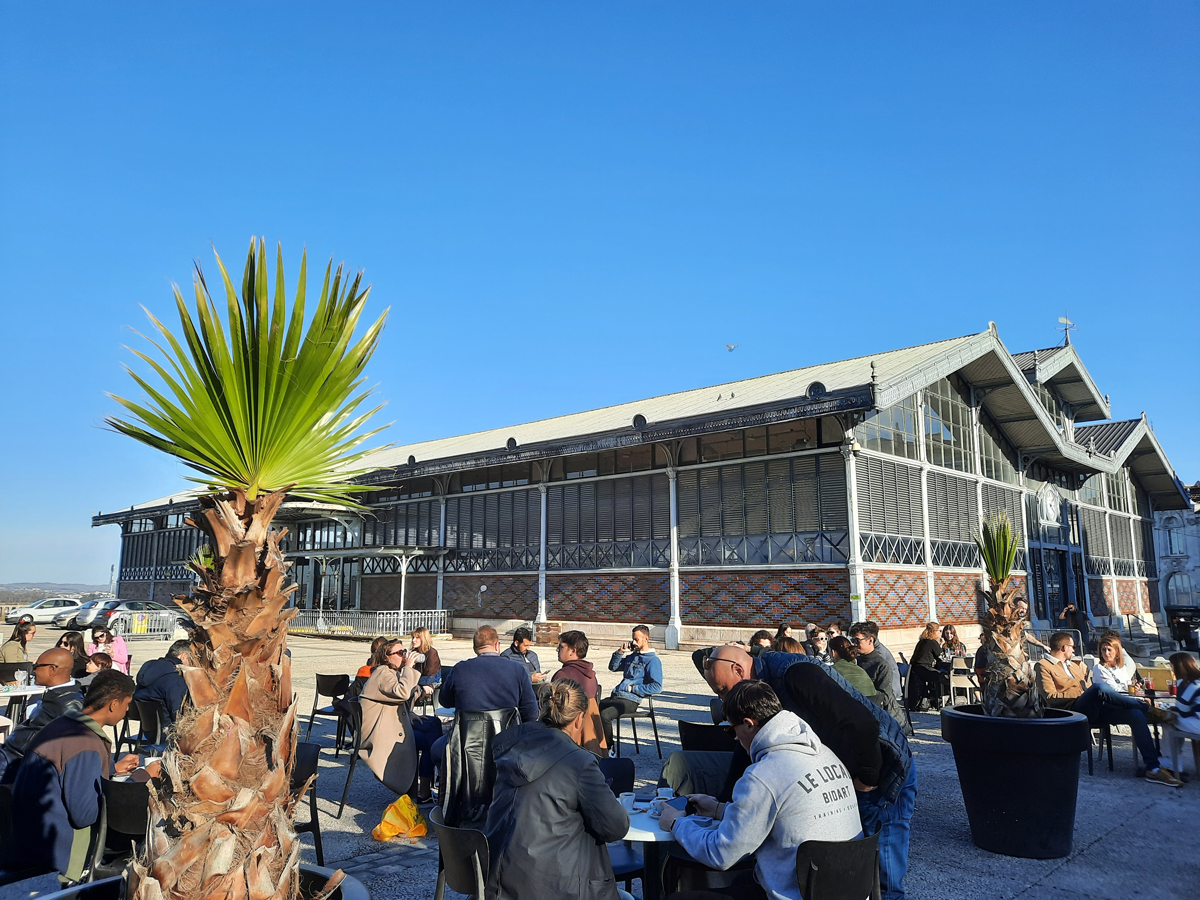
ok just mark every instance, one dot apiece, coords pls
pixel 1049 504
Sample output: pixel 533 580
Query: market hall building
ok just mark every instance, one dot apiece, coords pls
pixel 842 491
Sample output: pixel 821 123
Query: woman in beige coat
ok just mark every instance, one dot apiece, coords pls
pixel 388 747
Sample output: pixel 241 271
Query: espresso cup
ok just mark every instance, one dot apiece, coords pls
pixel 666 793
pixel 657 805
pixel 627 800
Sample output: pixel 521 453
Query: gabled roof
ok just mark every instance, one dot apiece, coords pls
pixel 1132 442
pixel 1062 368
pixel 1107 437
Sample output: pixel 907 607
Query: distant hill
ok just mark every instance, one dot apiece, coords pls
pixel 50 586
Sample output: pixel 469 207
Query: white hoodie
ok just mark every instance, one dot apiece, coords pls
pixel 796 790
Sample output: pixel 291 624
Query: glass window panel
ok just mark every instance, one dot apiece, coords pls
pixel 892 430
pixel 716 447
pixel 790 436
pixel 949 437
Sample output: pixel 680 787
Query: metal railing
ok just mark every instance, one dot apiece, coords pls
pixel 357 623
pixel 1034 652
pixel 148 626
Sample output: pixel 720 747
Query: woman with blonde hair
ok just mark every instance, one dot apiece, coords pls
pixel 1114 666
pixel 430 664
pixel 552 812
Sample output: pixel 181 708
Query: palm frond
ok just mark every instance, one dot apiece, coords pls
pixel 998 544
pixel 258 402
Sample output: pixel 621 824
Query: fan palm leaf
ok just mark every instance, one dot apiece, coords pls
pixel 258 403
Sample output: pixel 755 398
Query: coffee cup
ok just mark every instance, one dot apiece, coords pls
pixel 627 800
pixel 666 793
pixel 657 805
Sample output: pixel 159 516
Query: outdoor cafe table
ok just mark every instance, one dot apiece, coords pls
pixel 17 697
pixel 644 829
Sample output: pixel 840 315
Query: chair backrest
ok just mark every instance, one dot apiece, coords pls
pixel 127 804
pixel 959 664
pixel 356 721
pixel 716 709
pixel 618 773
pixel 332 685
pixel 470 769
pixel 696 736
pixel 839 870
pixel 153 718
pixel 8 671
pixel 464 855
pixel 305 765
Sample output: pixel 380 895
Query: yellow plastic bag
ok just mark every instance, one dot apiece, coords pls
pixel 400 819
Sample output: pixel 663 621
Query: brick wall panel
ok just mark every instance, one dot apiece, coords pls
pixel 896 599
pixel 507 596
pixel 1127 594
pixel 383 592
pixel 959 601
pixel 609 597
pixel 1100 595
pixel 762 599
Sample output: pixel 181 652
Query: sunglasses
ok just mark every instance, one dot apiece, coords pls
pixel 45 666
pixel 708 663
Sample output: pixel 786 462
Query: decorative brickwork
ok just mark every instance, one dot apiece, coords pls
pixel 507 596
pixel 896 599
pixel 609 597
pixel 762 599
pixel 1151 588
pixel 383 592
pixel 1100 596
pixel 958 599
pixel 1127 596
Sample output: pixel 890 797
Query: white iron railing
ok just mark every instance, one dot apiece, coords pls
pixel 357 623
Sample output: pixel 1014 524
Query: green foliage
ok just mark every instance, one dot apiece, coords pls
pixel 264 404
pixel 998 545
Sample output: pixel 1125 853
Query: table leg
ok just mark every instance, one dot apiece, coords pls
pixel 652 886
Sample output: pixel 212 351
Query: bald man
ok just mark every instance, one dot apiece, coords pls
pixel 861 734
pixel 53 672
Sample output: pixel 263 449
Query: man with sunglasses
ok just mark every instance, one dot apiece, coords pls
pixel 53 672
pixel 868 741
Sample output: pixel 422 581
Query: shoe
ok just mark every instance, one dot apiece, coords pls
pixel 1156 716
pixel 1163 777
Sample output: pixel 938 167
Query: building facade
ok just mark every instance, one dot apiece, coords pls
pixel 1178 546
pixel 847 490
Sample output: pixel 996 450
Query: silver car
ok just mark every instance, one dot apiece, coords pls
pixel 69 618
pixel 44 611
pixel 135 617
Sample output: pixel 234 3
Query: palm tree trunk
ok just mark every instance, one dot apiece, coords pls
pixel 1011 689
pixel 221 813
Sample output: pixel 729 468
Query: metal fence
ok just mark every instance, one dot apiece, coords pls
pixel 1038 651
pixel 148 626
pixel 356 623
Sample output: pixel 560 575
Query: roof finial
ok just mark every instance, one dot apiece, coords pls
pixel 992 327
pixel 1066 326
pixel 874 377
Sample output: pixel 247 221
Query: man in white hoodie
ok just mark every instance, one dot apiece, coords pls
pixel 795 790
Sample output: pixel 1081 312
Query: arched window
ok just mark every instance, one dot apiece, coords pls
pixel 1180 591
pixel 1174 537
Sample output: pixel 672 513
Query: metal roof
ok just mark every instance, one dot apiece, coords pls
pixel 1107 437
pixel 1062 368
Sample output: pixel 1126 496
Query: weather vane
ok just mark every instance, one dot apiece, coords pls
pixel 1066 326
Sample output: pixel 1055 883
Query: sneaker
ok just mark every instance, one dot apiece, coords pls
pixel 1156 716
pixel 1163 777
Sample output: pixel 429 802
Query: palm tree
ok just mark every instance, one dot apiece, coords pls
pixel 259 407
pixel 1010 689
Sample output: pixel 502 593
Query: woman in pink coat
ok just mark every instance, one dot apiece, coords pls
pixel 104 641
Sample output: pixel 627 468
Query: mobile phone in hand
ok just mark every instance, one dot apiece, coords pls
pixel 683 804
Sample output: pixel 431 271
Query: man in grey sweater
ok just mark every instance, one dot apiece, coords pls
pixel 795 790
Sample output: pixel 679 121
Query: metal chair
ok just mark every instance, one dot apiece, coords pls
pixel 355 724
pixel 307 757
pixel 696 736
pixel 334 687
pixel 152 716
pixel 463 859
pixel 646 712
pixel 904 667
pixel 839 870
pixel 125 733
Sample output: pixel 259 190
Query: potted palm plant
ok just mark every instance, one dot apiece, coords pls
pixel 259 407
pixel 1017 761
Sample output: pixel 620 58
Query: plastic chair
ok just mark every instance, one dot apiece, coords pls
pixel 334 687
pixel 127 810
pixel 355 725
pixel 307 757
pixel 646 712
pixel 962 682
pixel 153 719
pixel 696 736
pixel 463 858
pixel 839 870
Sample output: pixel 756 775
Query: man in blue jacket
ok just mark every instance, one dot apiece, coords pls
pixel 160 679
pixel 641 676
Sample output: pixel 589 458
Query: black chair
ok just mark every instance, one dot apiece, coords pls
pixel 627 862
pixel 1105 740
pixel 152 736
pixel 716 709
pixel 127 812
pixel 642 712
pixel 463 858
pixel 334 687
pixel 307 757
pixel 355 724
pixel 839 870
pixel 903 667
pixel 469 774
pixel 8 671
pixel 125 732
pixel 697 736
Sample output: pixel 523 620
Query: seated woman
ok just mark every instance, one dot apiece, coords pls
pixel 14 649
pixel 104 641
pixel 924 680
pixel 952 647
pixel 788 645
pixel 818 646
pixel 843 654
pixel 429 664
pixel 552 812
pixel 388 745
pixel 72 642
pixel 1187 709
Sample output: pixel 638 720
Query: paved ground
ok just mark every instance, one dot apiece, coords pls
pixel 1132 839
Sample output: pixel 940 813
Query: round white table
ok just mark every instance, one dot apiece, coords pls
pixel 18 697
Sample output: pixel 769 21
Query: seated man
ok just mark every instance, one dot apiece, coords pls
pixel 53 672
pixel 795 790
pixel 882 668
pixel 161 680
pixel 641 676
pixel 572 648
pixel 56 796
pixel 1066 684
pixel 518 651
pixel 489 681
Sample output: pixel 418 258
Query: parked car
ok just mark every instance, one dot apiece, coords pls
pixel 44 611
pixel 69 618
pixel 128 617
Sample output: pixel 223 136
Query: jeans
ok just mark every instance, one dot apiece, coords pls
pixel 426 730
pixel 611 708
pixel 894 821
pixel 1102 703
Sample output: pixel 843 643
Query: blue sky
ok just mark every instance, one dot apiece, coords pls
pixel 571 205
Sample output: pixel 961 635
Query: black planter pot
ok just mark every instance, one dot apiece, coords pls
pixel 312 879
pixel 1019 778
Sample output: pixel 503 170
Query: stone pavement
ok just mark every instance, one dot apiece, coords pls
pixel 1132 839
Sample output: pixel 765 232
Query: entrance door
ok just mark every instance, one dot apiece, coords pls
pixel 1054 578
